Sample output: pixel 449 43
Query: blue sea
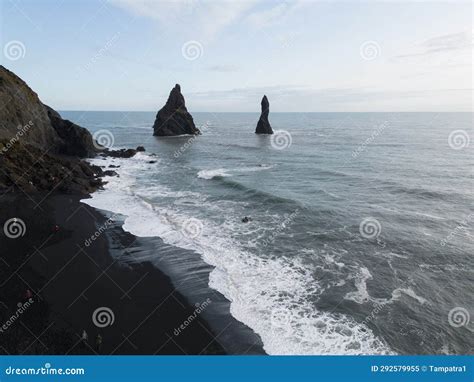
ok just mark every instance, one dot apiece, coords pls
pixel 359 239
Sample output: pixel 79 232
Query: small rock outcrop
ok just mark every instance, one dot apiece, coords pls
pixel 174 119
pixel 28 169
pixel 122 153
pixel 263 125
pixel 77 141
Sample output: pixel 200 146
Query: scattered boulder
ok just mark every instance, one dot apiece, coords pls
pixel 174 119
pixel 263 125
pixel 109 173
pixel 122 153
pixel 28 169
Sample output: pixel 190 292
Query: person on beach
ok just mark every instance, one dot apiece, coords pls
pixel 84 336
pixel 98 343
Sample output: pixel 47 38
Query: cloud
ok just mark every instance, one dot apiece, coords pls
pixel 304 98
pixel 205 18
pixel 223 68
pixel 252 92
pixel 274 15
pixel 268 16
pixel 163 11
pixel 452 41
pixel 444 43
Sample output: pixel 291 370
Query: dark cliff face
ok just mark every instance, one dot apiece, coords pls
pixel 21 109
pixel 38 149
pixel 263 125
pixel 23 113
pixel 77 141
pixel 174 118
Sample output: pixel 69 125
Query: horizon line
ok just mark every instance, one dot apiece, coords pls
pixel 273 112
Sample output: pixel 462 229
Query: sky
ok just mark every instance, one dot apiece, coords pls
pixel 306 56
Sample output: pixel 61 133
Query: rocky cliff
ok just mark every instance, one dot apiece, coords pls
pixel 174 118
pixel 22 113
pixel 38 149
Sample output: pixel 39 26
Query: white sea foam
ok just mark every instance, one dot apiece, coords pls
pixel 397 293
pixel 212 173
pixel 273 296
pixel 361 295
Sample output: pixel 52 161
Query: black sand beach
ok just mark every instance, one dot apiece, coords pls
pixel 69 280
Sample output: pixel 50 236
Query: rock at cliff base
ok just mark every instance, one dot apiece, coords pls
pixel 76 140
pixel 174 119
pixel 27 169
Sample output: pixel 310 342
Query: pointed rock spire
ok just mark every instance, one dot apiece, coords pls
pixel 263 125
pixel 174 118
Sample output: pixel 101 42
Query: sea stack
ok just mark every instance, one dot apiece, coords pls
pixel 263 126
pixel 174 119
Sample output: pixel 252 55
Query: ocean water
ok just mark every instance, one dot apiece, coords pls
pixel 360 239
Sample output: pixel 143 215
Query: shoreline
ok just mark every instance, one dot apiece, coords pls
pixel 189 275
pixel 70 280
